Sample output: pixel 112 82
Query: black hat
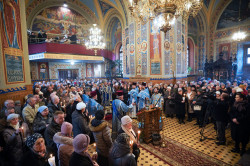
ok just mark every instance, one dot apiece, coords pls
pixel 144 84
pixel 119 93
pixel 134 83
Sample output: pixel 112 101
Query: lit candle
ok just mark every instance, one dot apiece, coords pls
pixel 139 132
pixel 51 160
pixel 95 149
pixel 22 132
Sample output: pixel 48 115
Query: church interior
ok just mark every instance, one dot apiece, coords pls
pixel 77 44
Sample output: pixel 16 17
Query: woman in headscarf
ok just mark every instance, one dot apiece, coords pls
pixel 37 154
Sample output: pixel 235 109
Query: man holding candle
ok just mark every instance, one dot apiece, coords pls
pixel 13 137
pixel 126 127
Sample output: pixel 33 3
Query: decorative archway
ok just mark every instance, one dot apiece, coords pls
pixel 191 55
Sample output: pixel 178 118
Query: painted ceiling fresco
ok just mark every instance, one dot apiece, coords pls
pixel 61 21
pixel 230 16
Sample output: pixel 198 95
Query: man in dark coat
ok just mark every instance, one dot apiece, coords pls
pixel 198 104
pixel 240 120
pixel 54 105
pixel 51 130
pixel 221 117
pixel 180 106
pixel 80 120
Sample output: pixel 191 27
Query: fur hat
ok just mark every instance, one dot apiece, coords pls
pixel 81 142
pixel 12 116
pixel 217 92
pixel 66 128
pixel 80 106
pixel 125 120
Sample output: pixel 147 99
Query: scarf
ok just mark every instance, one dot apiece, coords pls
pixel 15 126
pixel 131 133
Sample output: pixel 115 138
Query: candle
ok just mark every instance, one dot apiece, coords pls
pixel 51 160
pixel 94 153
pixel 139 132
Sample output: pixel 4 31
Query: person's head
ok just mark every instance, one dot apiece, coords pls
pixel 55 99
pixel 169 88
pixel 156 90
pixel 217 93
pixel 143 85
pixel 66 129
pixel 133 85
pixel 123 139
pixel 93 95
pixel 234 90
pixel 180 91
pixel 13 119
pixel 81 143
pixel 87 92
pixel 9 111
pixel 239 97
pixel 37 144
pixel 217 88
pixel 126 122
pixel 99 115
pixel 65 93
pixel 37 98
pixel 81 107
pixel 73 89
pixel 31 101
pixel 43 110
pixel 189 89
pixel 9 104
pixel 120 95
pixel 224 97
pixel 59 117
pixel 50 89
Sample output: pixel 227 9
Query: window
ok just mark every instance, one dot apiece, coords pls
pixel 248 60
pixel 121 60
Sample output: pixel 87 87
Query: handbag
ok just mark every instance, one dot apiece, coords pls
pixel 197 108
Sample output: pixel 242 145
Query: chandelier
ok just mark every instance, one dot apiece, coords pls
pixel 96 40
pixel 163 12
pixel 238 36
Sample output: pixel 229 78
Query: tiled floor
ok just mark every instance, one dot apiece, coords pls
pixel 188 136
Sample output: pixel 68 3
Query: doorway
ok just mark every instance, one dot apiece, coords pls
pixel 69 74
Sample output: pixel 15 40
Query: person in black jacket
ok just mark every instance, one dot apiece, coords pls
pixel 220 115
pixel 51 130
pixel 36 154
pixel 55 104
pixel 240 121
pixel 180 106
pixel 42 120
pixel 120 152
pixel 80 120
pixel 80 156
pixel 198 101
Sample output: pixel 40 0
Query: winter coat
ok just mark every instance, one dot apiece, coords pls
pixel 52 108
pixel 102 136
pixel 80 123
pixel 221 110
pixel 79 160
pixel 49 133
pixel 241 112
pixel 65 148
pixel 13 145
pixel 179 106
pixel 29 115
pixel 39 124
pixel 32 159
pixel 169 103
pixel 120 155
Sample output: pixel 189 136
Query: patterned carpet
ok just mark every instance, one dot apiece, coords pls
pixel 184 148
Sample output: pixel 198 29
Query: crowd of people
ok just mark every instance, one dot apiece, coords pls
pixel 63 118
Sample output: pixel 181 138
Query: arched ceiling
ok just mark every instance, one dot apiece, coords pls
pixel 99 9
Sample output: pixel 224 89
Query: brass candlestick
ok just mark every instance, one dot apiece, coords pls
pixel 163 145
